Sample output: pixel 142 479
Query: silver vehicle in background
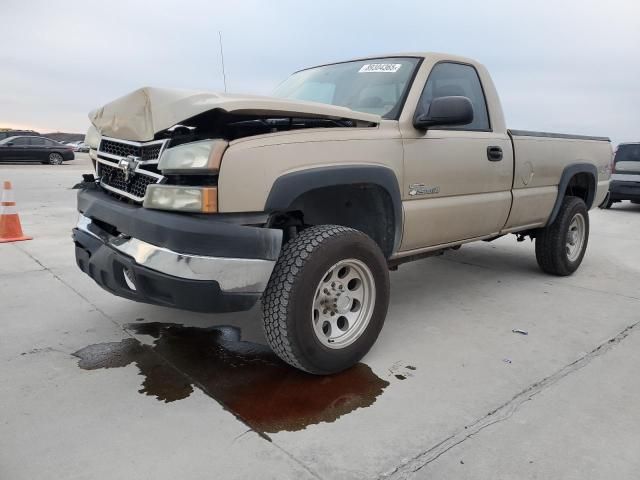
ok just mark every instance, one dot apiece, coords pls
pixel 625 178
pixel 78 146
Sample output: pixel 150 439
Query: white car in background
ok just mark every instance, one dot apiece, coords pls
pixel 78 146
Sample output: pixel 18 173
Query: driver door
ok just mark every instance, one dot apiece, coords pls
pixel 14 150
pixel 454 188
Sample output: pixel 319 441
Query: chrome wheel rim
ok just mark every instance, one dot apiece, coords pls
pixel 343 303
pixel 55 159
pixel 575 237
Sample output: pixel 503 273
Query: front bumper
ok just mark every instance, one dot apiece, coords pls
pixel 624 190
pixel 199 276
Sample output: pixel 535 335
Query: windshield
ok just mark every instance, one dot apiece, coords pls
pixel 372 86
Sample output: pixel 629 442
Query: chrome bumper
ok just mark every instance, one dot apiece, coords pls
pixel 234 275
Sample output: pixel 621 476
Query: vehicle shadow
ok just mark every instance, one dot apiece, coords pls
pixel 624 206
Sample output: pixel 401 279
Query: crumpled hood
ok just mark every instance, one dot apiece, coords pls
pixel 142 113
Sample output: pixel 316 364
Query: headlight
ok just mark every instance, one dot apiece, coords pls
pixel 182 199
pixel 201 157
pixel 92 138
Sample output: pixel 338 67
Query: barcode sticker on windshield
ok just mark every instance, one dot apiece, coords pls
pixel 380 68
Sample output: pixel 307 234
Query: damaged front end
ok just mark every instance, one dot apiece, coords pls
pixel 146 230
pixel 132 138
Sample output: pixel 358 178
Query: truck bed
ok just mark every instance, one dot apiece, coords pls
pixel 541 161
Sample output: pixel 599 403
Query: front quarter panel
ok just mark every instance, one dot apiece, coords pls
pixel 251 166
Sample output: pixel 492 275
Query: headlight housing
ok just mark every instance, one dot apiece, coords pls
pixel 182 199
pixel 92 138
pixel 202 157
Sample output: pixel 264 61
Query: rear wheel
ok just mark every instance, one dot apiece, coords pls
pixel 55 158
pixel 327 299
pixel 560 247
pixel 607 205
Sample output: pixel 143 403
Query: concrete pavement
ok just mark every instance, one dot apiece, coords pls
pixel 449 391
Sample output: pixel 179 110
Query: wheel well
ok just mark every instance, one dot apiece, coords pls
pixel 582 185
pixel 366 207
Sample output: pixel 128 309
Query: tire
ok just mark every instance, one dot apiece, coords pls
pixel 314 321
pixel 560 247
pixel 55 158
pixel 607 205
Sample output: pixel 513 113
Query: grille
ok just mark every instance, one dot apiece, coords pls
pixel 151 152
pixel 120 149
pixel 146 152
pixel 114 178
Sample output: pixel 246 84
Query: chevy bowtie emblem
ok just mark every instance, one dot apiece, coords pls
pixel 128 166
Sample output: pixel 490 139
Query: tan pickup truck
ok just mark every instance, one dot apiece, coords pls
pixel 209 202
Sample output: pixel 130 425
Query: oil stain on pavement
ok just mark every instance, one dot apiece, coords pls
pixel 246 378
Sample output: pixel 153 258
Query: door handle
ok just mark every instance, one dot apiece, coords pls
pixel 494 154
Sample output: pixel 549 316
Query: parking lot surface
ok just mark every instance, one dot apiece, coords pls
pixel 95 386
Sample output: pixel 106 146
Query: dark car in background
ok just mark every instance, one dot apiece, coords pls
pixel 34 148
pixel 6 133
pixel 625 177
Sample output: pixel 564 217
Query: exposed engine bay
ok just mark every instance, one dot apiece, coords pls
pixel 220 124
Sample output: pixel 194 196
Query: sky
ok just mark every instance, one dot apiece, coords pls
pixel 560 66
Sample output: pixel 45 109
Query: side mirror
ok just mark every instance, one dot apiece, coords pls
pixel 8 144
pixel 448 111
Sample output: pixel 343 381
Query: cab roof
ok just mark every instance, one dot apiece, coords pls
pixel 437 56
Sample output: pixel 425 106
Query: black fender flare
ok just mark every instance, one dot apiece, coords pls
pixel 565 178
pixel 287 188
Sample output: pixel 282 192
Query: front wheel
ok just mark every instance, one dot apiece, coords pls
pixel 327 299
pixel 560 247
pixel 55 158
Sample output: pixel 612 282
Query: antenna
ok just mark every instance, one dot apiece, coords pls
pixel 224 76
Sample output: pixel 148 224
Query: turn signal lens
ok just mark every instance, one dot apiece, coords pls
pixel 182 199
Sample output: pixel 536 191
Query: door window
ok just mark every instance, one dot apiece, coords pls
pixel 37 141
pixel 455 79
pixel 21 142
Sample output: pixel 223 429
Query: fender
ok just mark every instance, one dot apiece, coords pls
pixel 565 178
pixel 291 185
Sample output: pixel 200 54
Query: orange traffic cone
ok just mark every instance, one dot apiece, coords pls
pixel 10 229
